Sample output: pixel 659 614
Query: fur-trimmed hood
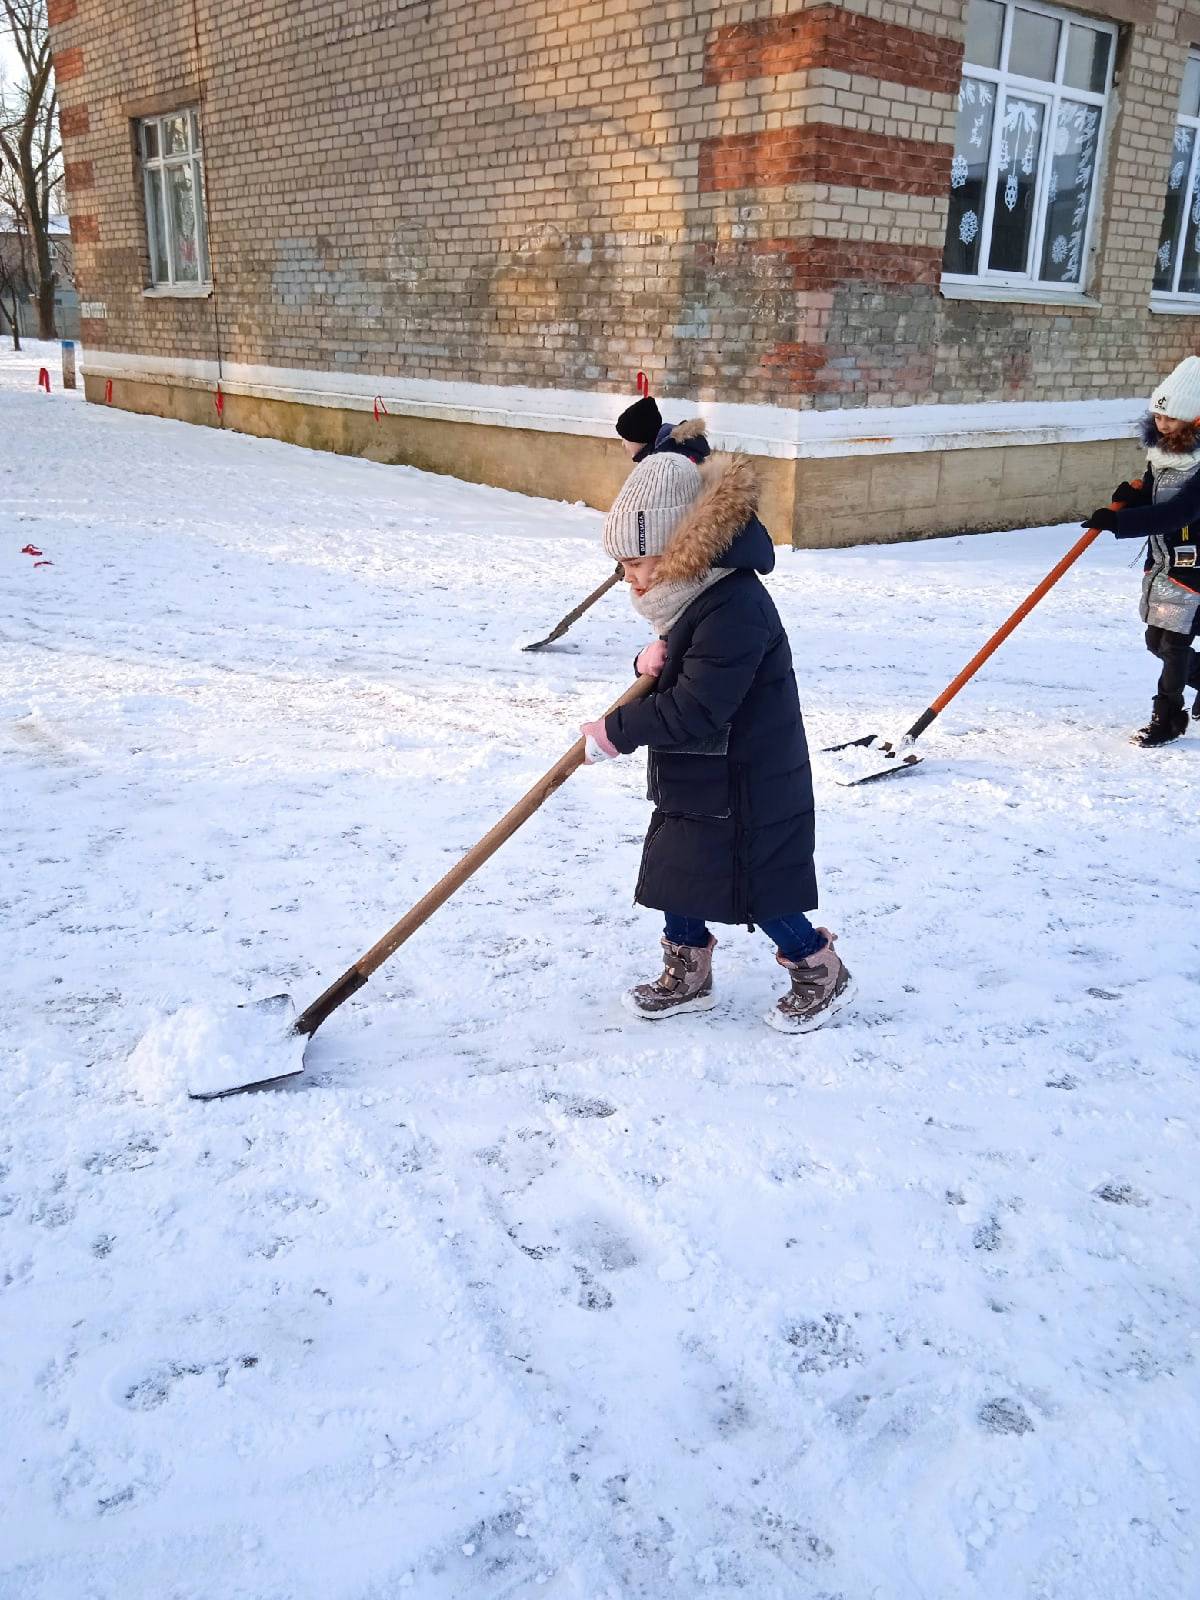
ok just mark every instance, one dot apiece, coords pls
pixel 1162 459
pixel 688 438
pixel 721 528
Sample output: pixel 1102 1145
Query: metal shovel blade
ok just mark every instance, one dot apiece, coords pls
pixel 873 758
pixel 253 1046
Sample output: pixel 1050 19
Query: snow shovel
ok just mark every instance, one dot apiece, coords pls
pixel 574 616
pixel 886 758
pixel 265 1041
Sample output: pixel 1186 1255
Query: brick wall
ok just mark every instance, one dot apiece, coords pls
pixel 746 200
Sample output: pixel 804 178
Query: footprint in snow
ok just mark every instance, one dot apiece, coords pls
pixel 823 1344
pixel 1121 1194
pixel 1004 1416
pixel 495 1557
pixel 579 1105
pixel 141 1390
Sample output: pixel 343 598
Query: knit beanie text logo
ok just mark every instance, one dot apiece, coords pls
pixel 641 516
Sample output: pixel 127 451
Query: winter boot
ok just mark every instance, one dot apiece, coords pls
pixel 1166 723
pixel 684 985
pixel 821 986
pixel 1196 707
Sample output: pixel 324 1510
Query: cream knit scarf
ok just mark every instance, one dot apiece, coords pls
pixel 1172 460
pixel 664 603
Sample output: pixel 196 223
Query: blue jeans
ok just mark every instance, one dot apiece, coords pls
pixel 795 935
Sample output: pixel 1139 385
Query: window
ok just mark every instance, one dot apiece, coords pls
pixel 1026 146
pixel 173 171
pixel 1177 268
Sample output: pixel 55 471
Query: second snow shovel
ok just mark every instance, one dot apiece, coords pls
pixel 898 755
pixel 574 616
pixel 264 1042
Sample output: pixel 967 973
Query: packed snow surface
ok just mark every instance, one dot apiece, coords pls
pixel 511 1294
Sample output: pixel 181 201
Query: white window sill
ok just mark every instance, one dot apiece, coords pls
pixel 1175 305
pixel 1028 294
pixel 178 291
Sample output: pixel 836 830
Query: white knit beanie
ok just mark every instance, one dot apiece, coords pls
pixel 650 506
pixel 1179 395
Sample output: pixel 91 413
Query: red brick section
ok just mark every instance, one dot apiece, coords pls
pixel 58 11
pixel 822 263
pixel 828 36
pixel 79 175
pixel 68 65
pixel 811 263
pixel 797 364
pixel 73 121
pixel 819 152
pixel 85 229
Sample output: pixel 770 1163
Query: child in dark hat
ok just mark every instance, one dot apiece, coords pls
pixel 645 433
pixel 639 426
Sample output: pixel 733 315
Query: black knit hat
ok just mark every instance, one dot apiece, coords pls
pixel 640 422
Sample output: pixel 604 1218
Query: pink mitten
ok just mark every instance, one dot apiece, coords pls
pixel 650 662
pixel 597 746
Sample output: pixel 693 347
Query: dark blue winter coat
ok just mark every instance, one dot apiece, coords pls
pixel 731 837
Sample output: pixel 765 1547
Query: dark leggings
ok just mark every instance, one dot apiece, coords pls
pixel 795 935
pixel 1180 670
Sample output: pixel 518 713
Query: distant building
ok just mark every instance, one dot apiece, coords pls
pixel 66 300
pixel 924 260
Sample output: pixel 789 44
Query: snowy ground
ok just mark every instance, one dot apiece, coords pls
pixel 511 1294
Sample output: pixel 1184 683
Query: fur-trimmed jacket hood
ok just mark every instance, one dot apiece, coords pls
pixel 721 528
pixel 688 439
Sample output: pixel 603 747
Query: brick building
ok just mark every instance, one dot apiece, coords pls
pixel 891 249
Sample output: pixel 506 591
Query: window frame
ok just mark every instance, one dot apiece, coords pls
pixel 155 171
pixel 1050 95
pixel 1183 302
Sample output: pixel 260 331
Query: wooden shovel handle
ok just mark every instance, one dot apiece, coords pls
pixel 354 977
pixel 584 605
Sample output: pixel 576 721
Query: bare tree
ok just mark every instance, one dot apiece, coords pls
pixel 14 254
pixel 29 142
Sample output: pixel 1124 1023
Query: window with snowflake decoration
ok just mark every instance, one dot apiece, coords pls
pixel 1177 265
pixel 1031 111
pixel 173 179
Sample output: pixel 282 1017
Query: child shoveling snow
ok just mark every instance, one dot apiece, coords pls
pixel 1162 512
pixel 731 836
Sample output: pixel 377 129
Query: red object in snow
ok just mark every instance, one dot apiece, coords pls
pixel 44 379
pixel 380 409
pixel 43 563
pixel 108 392
pixel 30 550
pixel 643 384
pixel 219 401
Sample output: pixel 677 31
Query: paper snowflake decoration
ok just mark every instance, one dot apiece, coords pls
pixel 968 227
pixel 958 172
pixel 1058 250
pixel 1164 255
pixel 1010 192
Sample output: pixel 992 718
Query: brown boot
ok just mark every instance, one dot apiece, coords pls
pixel 821 986
pixel 684 985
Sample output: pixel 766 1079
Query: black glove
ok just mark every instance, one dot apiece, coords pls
pixel 1104 518
pixel 1128 495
